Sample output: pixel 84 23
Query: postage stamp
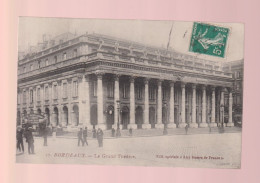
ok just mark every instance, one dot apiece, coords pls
pixel 209 39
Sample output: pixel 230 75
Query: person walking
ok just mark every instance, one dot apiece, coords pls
pixel 80 135
pixel 19 138
pixel 100 137
pixel 85 134
pixel 94 132
pixel 30 140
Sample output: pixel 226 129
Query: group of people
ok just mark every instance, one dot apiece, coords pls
pixel 27 133
pixel 82 136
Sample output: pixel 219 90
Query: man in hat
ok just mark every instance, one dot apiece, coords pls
pixel 100 137
pixel 30 140
pixel 80 134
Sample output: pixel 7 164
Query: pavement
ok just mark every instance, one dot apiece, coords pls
pixel 208 150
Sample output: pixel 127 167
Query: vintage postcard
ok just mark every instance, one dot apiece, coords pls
pixel 129 92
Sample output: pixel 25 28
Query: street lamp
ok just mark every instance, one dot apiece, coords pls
pixel 222 112
pixel 118 133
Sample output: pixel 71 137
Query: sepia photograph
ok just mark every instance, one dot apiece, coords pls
pixel 129 92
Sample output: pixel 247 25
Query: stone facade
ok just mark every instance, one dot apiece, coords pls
pixel 77 81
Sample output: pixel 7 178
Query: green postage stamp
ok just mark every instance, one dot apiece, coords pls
pixel 209 39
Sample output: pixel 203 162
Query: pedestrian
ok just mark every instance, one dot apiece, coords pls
pixel 113 132
pixel 19 137
pixel 100 137
pixel 186 128
pixel 45 136
pixel 94 131
pixel 85 134
pixel 165 132
pixel 131 131
pixel 80 134
pixel 30 140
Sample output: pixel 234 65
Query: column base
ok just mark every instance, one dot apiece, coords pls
pixel 146 126
pixel 171 125
pixel 203 125
pixel 193 125
pixel 101 126
pixel 160 126
pixel 182 125
pixel 213 124
pixel 133 126
pixel 230 124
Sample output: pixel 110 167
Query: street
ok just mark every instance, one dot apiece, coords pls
pixel 197 150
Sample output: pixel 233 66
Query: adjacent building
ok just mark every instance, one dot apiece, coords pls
pixel 97 80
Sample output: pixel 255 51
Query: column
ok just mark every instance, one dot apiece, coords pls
pixel 146 124
pixel 100 110
pixel 87 108
pixel 116 97
pixel 204 109
pixel 222 106
pixel 230 110
pixel 82 100
pixel 171 123
pixel 132 104
pixel 182 121
pixel 213 109
pixel 159 123
pixel 194 106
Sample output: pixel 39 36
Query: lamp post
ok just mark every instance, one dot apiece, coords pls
pixel 118 133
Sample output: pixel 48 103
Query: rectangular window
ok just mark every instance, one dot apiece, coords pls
pixel 64 89
pixel 55 59
pixel 38 94
pixel 125 91
pixel 46 93
pixel 31 96
pixel 94 88
pixel 151 92
pixel 138 91
pixel 24 97
pixel 64 56
pixel 110 89
pixel 164 92
pixel 75 53
pixel 75 88
pixel 55 91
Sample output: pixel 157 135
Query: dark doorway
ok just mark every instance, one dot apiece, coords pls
pixel 93 115
pixel 65 115
pixel 110 117
pixel 139 117
pixel 152 117
pixel 125 117
pixel 47 112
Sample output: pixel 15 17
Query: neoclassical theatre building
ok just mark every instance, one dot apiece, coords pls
pixel 78 81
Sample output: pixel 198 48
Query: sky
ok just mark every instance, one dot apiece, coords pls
pixel 155 33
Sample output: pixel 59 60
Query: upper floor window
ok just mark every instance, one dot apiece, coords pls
pixel 55 59
pixel 164 92
pixel 47 62
pixel 125 91
pixel 38 94
pixel 64 89
pixel 75 88
pixel 138 91
pixel 31 96
pixel 151 92
pixel 64 56
pixel 55 91
pixel 24 96
pixel 46 93
pixel 75 53
pixel 110 89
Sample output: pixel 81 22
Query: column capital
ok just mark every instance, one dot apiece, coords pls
pixel 87 77
pixel 146 80
pixel 172 83
pixel 99 74
pixel 183 85
pixel 116 77
pixel 132 78
pixel 159 82
pixel 223 89
pixel 213 88
pixel 193 86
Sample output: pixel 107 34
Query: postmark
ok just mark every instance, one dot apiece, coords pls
pixel 209 39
